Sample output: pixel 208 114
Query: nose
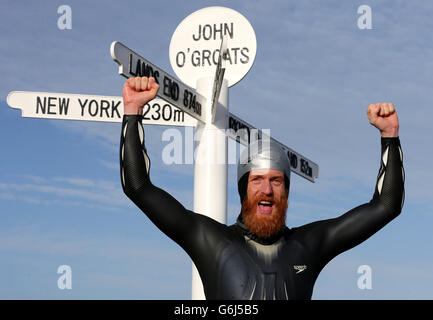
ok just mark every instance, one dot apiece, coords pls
pixel 267 187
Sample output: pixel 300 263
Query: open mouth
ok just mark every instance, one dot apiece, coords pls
pixel 265 207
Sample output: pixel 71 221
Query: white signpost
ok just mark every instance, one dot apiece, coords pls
pixel 173 91
pixel 195 45
pixel 219 76
pixel 210 50
pixel 243 132
pixel 49 105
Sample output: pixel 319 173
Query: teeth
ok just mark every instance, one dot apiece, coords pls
pixel 265 203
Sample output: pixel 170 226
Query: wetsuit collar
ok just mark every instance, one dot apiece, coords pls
pixel 254 237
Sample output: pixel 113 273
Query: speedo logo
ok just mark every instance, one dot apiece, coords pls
pixel 299 269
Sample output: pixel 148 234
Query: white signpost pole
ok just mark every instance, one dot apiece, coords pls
pixel 210 167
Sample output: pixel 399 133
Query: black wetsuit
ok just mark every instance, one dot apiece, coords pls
pixel 234 264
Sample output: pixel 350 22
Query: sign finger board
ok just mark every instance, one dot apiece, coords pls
pixel 172 90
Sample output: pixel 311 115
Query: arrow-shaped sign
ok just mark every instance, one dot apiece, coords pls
pixel 173 91
pixel 219 76
pixel 85 107
pixel 244 133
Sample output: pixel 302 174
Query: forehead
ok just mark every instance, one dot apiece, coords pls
pixel 266 172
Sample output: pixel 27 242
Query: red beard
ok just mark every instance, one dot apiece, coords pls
pixel 265 226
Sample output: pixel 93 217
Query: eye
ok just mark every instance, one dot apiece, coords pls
pixel 277 181
pixel 256 179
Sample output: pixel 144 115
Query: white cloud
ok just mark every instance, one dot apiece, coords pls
pixel 67 191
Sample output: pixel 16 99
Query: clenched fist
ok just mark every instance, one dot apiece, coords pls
pixel 384 117
pixel 137 92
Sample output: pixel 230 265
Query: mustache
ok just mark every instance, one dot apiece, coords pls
pixel 265 198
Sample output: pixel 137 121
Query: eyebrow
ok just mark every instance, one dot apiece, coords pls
pixel 262 175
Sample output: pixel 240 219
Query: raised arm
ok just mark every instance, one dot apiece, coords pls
pixel 163 210
pixel 352 228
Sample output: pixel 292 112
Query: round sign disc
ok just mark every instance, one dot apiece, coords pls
pixel 195 45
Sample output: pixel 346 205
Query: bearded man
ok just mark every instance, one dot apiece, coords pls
pixel 258 257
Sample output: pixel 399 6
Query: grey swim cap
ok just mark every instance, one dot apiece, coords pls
pixel 263 154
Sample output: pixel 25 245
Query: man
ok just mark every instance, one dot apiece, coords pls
pixel 258 257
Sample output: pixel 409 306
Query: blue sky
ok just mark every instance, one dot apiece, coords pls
pixel 314 75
